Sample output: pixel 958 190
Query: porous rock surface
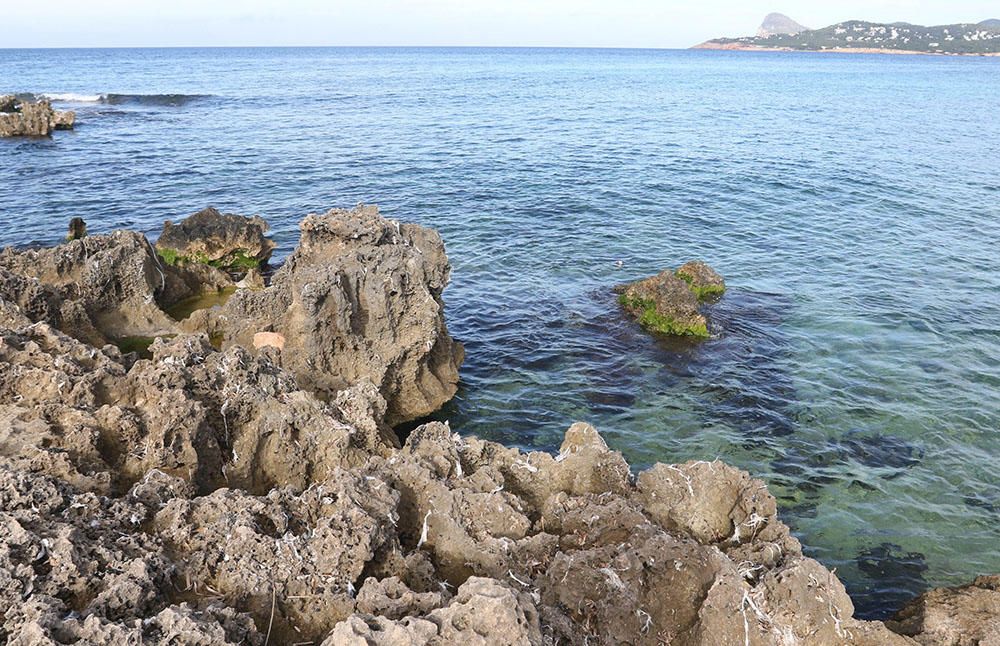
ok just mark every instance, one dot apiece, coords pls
pixel 96 288
pixel 205 497
pixel 966 615
pixel 360 298
pixel 31 118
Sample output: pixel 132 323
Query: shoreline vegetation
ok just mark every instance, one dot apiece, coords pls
pixel 251 489
pixel 737 47
pixel 779 33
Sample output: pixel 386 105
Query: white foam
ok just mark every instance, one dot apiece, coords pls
pixel 70 97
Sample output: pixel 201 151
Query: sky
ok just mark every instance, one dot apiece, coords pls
pixel 557 23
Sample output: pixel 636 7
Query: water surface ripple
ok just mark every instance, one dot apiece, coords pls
pixel 852 202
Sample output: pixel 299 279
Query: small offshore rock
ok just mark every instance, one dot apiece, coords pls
pixel 231 242
pixel 31 118
pixel 665 304
pixel 669 302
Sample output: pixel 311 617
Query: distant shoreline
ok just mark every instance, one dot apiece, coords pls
pixel 738 47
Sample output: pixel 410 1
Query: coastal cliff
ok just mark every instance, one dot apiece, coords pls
pixel 234 493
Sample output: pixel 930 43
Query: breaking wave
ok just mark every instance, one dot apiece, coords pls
pixel 124 99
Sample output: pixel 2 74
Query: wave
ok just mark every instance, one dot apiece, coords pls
pixel 70 97
pixel 168 100
pixel 152 99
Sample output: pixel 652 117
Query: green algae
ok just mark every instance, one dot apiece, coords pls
pixel 240 261
pixel 653 321
pixel 170 256
pixel 701 291
pixel 139 344
pixel 185 308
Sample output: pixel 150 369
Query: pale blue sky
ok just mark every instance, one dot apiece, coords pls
pixel 587 23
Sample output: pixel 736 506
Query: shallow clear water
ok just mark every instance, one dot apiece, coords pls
pixel 852 202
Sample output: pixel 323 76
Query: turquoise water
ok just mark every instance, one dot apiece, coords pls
pixel 852 202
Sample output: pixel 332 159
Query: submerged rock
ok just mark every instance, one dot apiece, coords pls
pixel 31 118
pixel 668 303
pixel 234 243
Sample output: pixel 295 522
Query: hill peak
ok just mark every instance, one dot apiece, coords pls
pixel 778 23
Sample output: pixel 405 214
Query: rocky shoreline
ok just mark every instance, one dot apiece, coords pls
pixel 739 47
pixel 239 481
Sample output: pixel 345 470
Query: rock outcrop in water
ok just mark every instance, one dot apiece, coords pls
pixel 31 118
pixel 669 302
pixel 233 243
pixel 205 497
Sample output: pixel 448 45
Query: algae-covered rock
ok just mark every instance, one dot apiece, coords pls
pixel 234 243
pixel 669 302
pixel 702 279
pixel 665 304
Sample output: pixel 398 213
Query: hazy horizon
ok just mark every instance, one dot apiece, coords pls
pixel 434 23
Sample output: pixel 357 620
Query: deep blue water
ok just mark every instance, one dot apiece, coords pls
pixel 851 201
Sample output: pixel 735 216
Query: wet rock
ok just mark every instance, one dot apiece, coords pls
pixel 664 304
pixel 234 243
pixel 360 298
pixel 966 615
pixel 704 281
pixel 31 118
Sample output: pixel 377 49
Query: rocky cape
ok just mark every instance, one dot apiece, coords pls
pixel 779 33
pixel 248 492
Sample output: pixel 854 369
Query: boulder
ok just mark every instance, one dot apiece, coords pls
pixel 231 242
pixel 967 615
pixel 360 298
pixel 99 288
pixel 668 303
pixel 31 118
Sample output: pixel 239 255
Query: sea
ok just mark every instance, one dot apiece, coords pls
pixel 852 203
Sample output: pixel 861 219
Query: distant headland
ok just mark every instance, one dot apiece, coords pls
pixel 780 33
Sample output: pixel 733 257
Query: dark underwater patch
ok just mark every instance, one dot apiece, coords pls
pixel 894 578
pixel 880 451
